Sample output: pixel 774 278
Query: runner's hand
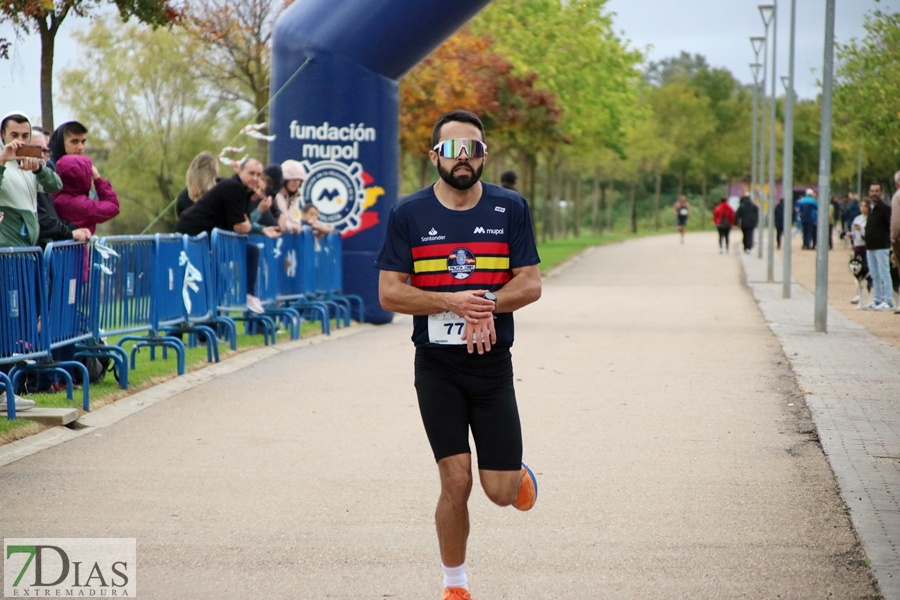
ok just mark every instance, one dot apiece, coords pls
pixel 480 334
pixel 471 305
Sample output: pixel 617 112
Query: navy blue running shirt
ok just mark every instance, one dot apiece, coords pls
pixel 447 250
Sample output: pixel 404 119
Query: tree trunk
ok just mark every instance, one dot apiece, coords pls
pixel 48 43
pixel 554 206
pixel 576 210
pixel 656 193
pixel 608 205
pixel 595 204
pixel 680 183
pixel 548 193
pixel 703 204
pixel 423 171
pixel 633 207
pixel 532 186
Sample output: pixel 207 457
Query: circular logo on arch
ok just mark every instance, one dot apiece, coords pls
pixel 461 263
pixel 337 191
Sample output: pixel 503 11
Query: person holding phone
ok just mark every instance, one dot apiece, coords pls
pixel 22 176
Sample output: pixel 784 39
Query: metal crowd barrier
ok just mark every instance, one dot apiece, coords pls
pixel 127 287
pixel 336 284
pixel 229 257
pixel 292 275
pixel 24 326
pixel 271 262
pixel 199 277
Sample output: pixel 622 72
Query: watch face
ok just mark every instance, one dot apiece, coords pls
pixel 490 296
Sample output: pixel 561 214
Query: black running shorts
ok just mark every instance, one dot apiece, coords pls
pixel 458 390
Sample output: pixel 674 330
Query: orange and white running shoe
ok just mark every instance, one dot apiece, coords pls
pixel 455 593
pixel 528 492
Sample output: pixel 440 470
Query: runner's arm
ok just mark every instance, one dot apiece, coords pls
pixel 523 289
pixel 396 295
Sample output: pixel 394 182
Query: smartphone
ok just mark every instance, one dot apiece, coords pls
pixel 30 152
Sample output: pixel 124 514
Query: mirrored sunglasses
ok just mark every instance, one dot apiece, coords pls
pixel 453 148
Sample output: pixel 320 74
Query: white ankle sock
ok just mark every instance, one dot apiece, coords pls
pixel 455 576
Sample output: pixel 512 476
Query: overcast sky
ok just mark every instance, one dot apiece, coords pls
pixel 718 29
pixel 721 30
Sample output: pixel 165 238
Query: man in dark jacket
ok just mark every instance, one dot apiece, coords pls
pixel 878 250
pixel 227 206
pixel 747 218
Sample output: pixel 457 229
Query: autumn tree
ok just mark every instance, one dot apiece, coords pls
pixel 47 16
pixel 236 53
pixel 868 87
pixel 150 114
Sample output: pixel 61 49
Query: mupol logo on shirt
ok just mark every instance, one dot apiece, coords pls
pixel 461 263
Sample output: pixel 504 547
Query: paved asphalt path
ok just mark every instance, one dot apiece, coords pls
pixel 675 457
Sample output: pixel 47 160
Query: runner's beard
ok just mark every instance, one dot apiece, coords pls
pixel 463 181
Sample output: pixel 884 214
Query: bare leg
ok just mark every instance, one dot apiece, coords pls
pixel 501 487
pixel 452 515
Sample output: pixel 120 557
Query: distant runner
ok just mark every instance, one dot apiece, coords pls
pixel 682 212
pixel 468 252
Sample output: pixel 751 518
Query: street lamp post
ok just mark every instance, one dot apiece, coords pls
pixel 787 181
pixel 821 311
pixel 766 11
pixel 754 176
pixel 770 216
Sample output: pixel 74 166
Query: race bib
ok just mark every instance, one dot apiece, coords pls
pixel 446 328
pixel 683 212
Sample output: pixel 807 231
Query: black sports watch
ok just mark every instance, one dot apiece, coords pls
pixel 492 297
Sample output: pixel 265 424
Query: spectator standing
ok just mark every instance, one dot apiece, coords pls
pixel 723 217
pixel 682 211
pixel 74 204
pixel 202 175
pixel 808 213
pixel 851 211
pixel 509 180
pixel 895 223
pixel 227 206
pixel 69 138
pixel 878 249
pixel 835 213
pixel 52 228
pixel 747 218
pixel 288 197
pixel 779 222
pixel 21 179
pixel 858 238
pixel 310 215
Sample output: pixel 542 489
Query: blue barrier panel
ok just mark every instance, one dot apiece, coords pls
pixel 229 252
pixel 271 261
pixel 336 287
pixel 199 289
pixel 292 269
pixel 309 275
pixel 129 285
pixel 324 266
pixel 68 273
pixel 290 272
pixel 24 327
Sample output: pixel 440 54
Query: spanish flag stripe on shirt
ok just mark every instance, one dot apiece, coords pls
pixel 481 263
pixel 446 279
pixel 477 248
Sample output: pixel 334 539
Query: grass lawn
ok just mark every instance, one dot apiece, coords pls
pixel 146 374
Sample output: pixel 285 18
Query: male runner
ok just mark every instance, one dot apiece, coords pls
pixel 460 256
